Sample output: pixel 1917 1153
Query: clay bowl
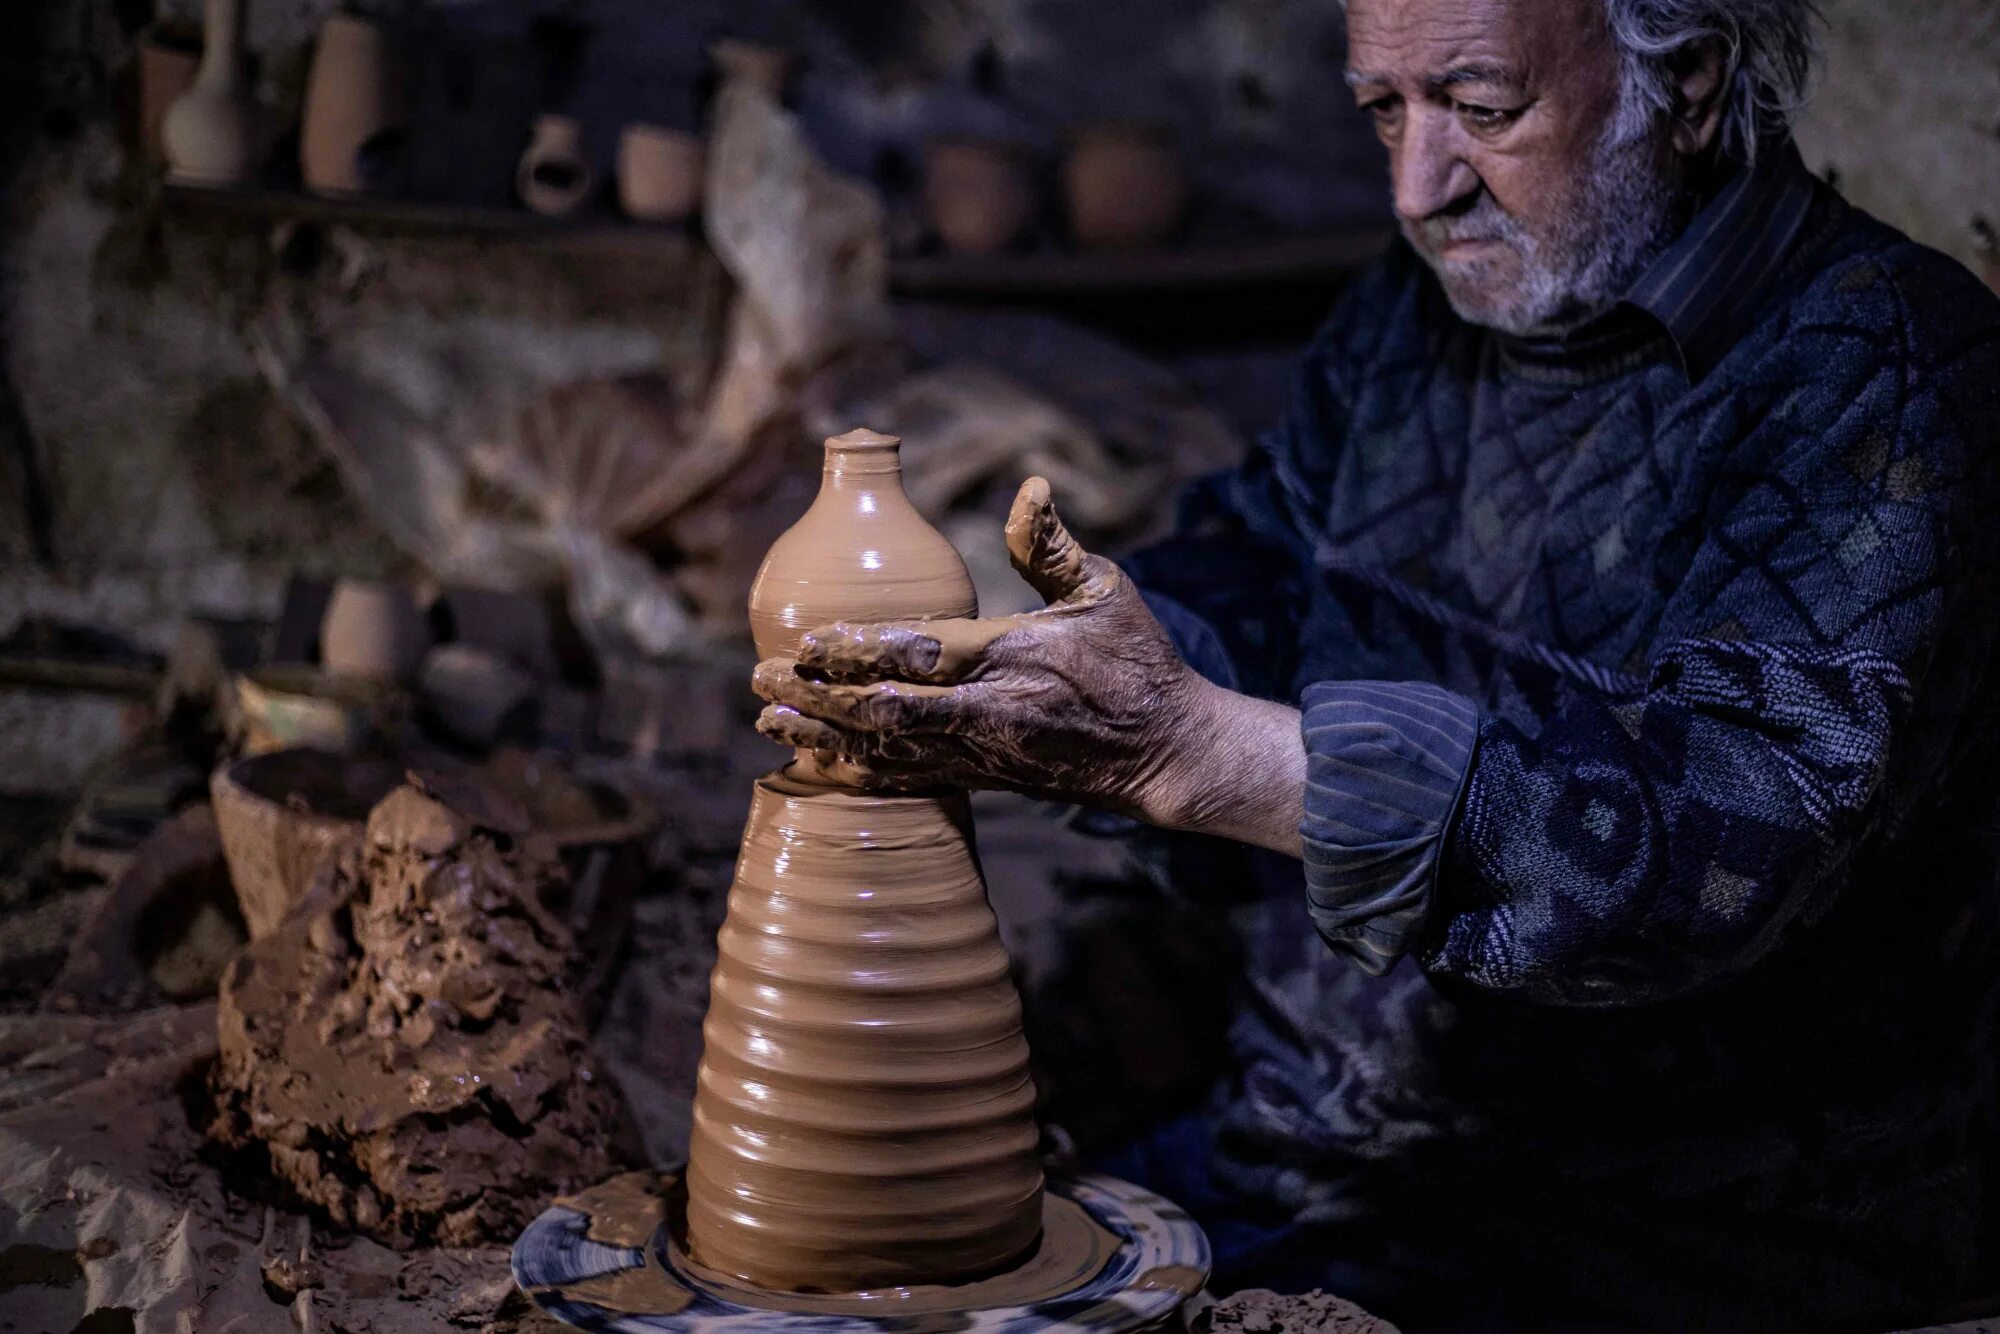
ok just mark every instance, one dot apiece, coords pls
pixel 282 815
pixel 979 196
pixel 1123 185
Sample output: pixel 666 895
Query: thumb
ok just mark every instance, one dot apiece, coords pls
pixel 1041 548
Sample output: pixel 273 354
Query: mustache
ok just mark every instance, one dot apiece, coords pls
pixel 1483 222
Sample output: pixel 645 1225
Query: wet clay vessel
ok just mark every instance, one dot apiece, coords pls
pixel 862 552
pixel 863 1116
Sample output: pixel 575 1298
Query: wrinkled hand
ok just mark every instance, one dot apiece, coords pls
pixel 1082 700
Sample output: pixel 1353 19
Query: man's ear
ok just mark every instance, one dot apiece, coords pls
pixel 1699 71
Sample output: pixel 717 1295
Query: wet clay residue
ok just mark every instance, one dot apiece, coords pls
pixel 1261 1311
pixel 406 1047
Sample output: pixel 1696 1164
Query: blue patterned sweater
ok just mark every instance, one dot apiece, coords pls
pixel 1646 678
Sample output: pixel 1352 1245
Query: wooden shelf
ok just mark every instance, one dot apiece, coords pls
pixel 1202 292
pixel 413 218
pixel 1257 263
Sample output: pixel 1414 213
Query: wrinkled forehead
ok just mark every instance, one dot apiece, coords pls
pixel 1430 43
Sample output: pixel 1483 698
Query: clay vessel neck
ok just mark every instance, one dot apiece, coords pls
pixel 222 49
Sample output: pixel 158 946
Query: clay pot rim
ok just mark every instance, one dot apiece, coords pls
pixel 233 785
pixel 998 145
pixel 172 40
pixel 649 129
pixel 1154 133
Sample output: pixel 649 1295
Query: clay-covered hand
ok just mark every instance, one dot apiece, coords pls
pixel 1082 700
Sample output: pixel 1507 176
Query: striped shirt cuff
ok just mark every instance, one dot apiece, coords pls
pixel 1385 763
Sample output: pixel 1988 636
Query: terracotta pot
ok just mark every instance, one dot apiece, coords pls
pixel 354 93
pixel 863 1115
pixel 282 816
pixel 215 133
pixel 861 552
pixel 166 71
pixel 555 177
pixel 659 173
pixel 1123 185
pixel 979 196
pixel 372 630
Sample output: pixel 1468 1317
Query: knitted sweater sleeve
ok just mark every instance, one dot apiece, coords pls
pixel 1800 700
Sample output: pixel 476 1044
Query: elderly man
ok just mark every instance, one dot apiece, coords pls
pixel 1607 633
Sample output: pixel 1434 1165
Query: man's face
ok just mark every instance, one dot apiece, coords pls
pixel 1510 175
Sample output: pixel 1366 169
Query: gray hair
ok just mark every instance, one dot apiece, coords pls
pixel 1767 49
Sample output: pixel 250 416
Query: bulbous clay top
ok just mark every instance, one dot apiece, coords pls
pixel 860 553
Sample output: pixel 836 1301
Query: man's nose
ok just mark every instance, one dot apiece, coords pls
pixel 1430 176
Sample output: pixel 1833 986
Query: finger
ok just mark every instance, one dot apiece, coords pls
pixel 1041 547
pixel 944 651
pixel 910 758
pixel 884 706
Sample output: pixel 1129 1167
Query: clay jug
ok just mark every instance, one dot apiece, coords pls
pixel 166 71
pixel 659 173
pixel 214 134
pixel 978 196
pixel 861 552
pixel 354 93
pixel 372 631
pixel 755 64
pixel 1124 185
pixel 863 1115
pixel 555 177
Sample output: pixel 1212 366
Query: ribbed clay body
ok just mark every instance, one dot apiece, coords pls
pixel 864 1116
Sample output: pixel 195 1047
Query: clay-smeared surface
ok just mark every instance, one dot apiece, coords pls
pixel 407 1047
pixel 863 1116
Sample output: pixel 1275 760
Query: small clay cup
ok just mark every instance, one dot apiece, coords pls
pixel 372 631
pixel 979 196
pixel 1123 185
pixel 555 177
pixel 659 173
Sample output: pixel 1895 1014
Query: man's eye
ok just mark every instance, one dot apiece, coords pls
pixel 1486 118
pixel 1383 109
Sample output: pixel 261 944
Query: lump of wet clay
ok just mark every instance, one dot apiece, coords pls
pixel 407 1048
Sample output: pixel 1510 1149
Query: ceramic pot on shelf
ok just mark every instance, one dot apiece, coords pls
pixel 659 173
pixel 863 1114
pixel 978 196
pixel 353 94
pixel 372 630
pixel 214 134
pixel 1123 185
pixel 167 69
pixel 555 177
pixel 756 64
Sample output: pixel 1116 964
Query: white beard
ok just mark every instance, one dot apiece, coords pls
pixel 1630 207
